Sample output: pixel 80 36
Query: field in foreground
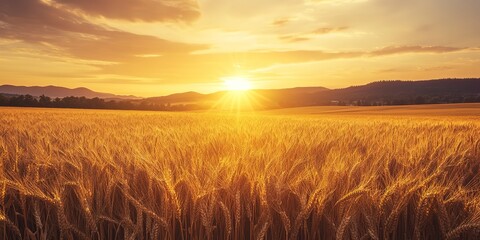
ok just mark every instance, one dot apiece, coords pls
pixel 464 110
pixel 140 175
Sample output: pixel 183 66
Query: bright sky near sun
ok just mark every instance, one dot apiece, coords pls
pixel 157 47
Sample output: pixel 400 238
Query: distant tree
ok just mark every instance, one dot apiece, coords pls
pixel 45 101
pixel 16 101
pixel 3 100
pixel 30 101
pixel 420 100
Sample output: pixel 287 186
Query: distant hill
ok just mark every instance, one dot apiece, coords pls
pixel 405 92
pixel 180 98
pixel 60 92
pixel 389 89
pixel 394 92
pixel 261 98
pixel 373 94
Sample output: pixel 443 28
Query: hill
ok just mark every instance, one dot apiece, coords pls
pixel 373 94
pixel 376 93
pixel 261 98
pixel 406 92
pixel 60 92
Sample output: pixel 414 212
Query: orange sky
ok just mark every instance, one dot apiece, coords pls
pixel 157 47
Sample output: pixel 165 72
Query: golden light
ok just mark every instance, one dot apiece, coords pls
pixel 237 98
pixel 237 83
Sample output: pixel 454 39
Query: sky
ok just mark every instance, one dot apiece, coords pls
pixel 157 47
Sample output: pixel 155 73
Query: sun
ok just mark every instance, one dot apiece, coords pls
pixel 237 83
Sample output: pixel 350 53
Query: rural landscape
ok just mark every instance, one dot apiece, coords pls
pixel 239 120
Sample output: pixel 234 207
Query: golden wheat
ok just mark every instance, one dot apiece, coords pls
pixel 143 175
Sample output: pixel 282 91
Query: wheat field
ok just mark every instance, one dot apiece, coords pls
pixel 76 174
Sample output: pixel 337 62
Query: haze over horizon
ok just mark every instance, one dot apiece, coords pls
pixel 163 47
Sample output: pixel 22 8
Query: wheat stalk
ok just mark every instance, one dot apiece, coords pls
pixel 464 228
pixel 371 229
pixel 285 221
pixel 263 231
pixel 61 218
pixel 342 228
pixel 423 207
pixel 226 216
pixel 36 215
pixel 354 230
pixel 352 194
pixel 238 210
pixel 392 220
pixel 11 225
pixel 443 217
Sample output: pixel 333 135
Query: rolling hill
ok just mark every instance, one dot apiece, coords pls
pixel 383 90
pixel 376 93
pixel 373 94
pixel 263 97
pixel 60 92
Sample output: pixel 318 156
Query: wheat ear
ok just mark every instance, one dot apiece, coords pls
pixel 455 233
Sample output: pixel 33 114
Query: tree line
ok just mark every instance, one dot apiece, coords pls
pixel 417 100
pixel 98 103
pixel 89 103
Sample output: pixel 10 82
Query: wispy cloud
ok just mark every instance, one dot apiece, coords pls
pixel 326 30
pixel 144 10
pixel 281 22
pixel 334 2
pixel 202 67
pixel 305 36
pixel 414 49
pixel 294 38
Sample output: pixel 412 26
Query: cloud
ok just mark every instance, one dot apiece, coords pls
pixel 300 37
pixel 281 22
pixel 132 10
pixel 198 68
pixel 114 79
pixel 326 30
pixel 414 49
pixel 120 46
pixel 202 68
pixel 333 2
pixel 36 22
pixel 294 38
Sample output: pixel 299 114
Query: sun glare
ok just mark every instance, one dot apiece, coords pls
pixel 237 83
